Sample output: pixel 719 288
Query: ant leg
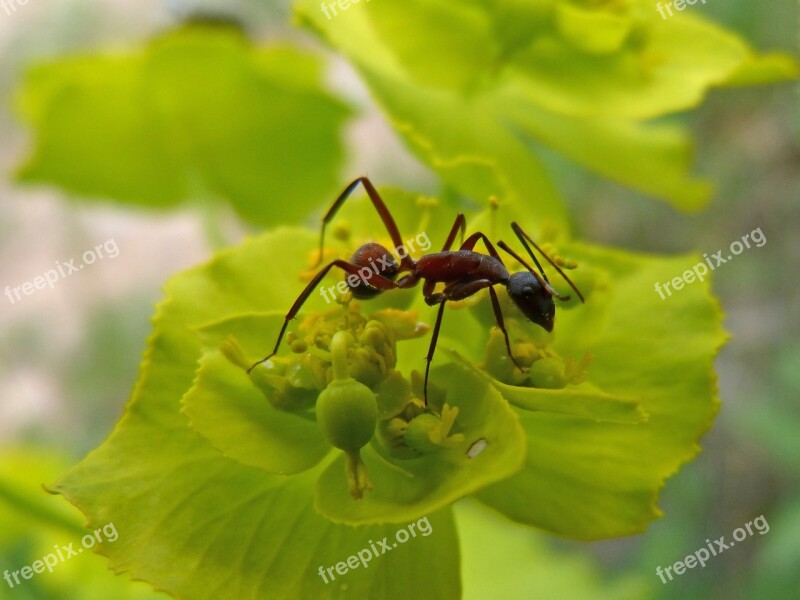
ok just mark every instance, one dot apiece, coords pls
pixel 431 299
pixel 459 291
pixel 469 244
pixel 377 281
pixel 524 236
pixel 498 313
pixel 432 349
pixel 388 221
pixel 474 238
pixel 498 316
pixel 460 223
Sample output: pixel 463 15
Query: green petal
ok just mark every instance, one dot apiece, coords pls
pixel 580 401
pixel 587 479
pixel 230 412
pixel 407 489
pixel 132 128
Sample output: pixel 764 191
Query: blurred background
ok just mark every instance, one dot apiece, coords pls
pixel 69 355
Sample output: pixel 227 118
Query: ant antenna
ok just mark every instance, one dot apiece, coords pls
pixel 525 238
pixel 541 278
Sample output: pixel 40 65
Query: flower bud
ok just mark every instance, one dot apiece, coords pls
pixel 547 373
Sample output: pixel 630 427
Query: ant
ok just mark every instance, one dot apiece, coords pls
pixel 463 273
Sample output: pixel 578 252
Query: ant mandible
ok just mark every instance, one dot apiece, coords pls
pixel 463 273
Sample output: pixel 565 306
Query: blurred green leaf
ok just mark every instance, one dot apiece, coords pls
pixel 33 525
pixel 764 69
pixel 198 113
pixel 479 84
pixel 500 559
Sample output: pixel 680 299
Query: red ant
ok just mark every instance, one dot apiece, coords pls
pixel 464 272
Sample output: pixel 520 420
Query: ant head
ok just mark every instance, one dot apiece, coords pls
pixel 532 298
pixel 372 259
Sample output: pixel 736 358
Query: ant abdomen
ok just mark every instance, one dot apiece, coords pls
pixel 371 258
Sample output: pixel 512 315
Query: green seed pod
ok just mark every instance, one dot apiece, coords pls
pixel 298 346
pixel 429 432
pixel 423 433
pixel 268 377
pixel 347 412
pixel 547 373
pixel 390 435
pixel 280 393
pixel 300 376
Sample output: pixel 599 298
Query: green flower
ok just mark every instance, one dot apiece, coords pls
pixel 220 467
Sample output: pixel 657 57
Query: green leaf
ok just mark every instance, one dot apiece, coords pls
pixel 235 530
pixel 588 479
pixel 199 113
pixel 406 489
